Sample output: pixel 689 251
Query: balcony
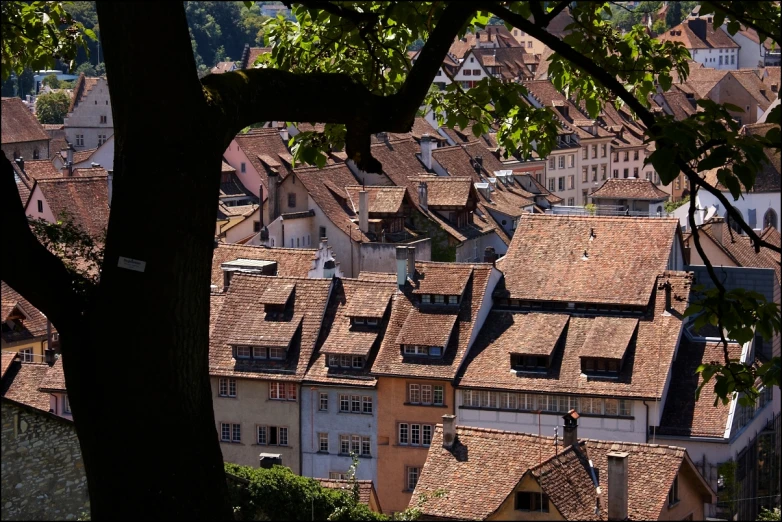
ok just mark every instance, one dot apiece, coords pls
pixel 605 210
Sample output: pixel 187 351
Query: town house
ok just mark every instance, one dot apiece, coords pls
pixel 707 45
pixel 89 122
pixel 22 135
pixel 25 330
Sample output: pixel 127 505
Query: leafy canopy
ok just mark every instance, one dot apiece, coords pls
pixel 52 107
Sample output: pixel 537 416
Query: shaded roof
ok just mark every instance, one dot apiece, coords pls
pixel 682 414
pixel 291 262
pixel 478 476
pixel 18 123
pixel 533 334
pixel 445 191
pixel 688 34
pixel 85 198
pixel 34 325
pixel 646 361
pixel 511 62
pixel 629 188
pixel 82 88
pixel 255 330
pixel 267 152
pixel 7 358
pixel 444 282
pixel 679 104
pixel 381 200
pixel 242 314
pixel 24 386
pixel 54 380
pixel 609 337
pixel 390 360
pixel 545 260
pixel 427 327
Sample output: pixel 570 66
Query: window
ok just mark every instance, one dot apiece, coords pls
pixel 585 153
pixel 366 447
pixel 277 391
pixel 427 434
pixel 40 206
pixel 626 173
pixel 529 362
pixel 337 475
pixel 80 140
pixel 103 118
pixel 276 352
pixel 625 408
pixel 603 150
pixel 283 436
pixel 616 173
pixel 291 391
pixel 344 403
pixel 733 59
pixel 322 232
pixel 366 403
pixel 291 200
pixel 616 156
pixel 344 444
pixel 594 172
pixel 101 139
pixel 66 405
pixel 551 185
pixel 603 171
pixel 611 406
pixel 600 366
pixel 36 154
pixel 529 44
pixel 259 352
pixel 562 162
pixel 323 442
pixel 243 167
pixel 227 387
pixel 414 393
pixel 439 299
pixel 627 155
pixel 355 404
pixel 438 394
pixel 531 501
pixel 584 175
pixel 415 434
pixel 571 160
pixel 468 72
pixel 358 361
pixel 635 172
pixel 594 151
pixel 476 72
pixel 571 202
pixel 571 182
pixel 230 432
pixel 272 435
pixel 324 402
pixel 242 352
pixel 673 494
pixel 591 405
pixel 412 477
pixel 404 433
pixel 561 183
pixel 720 60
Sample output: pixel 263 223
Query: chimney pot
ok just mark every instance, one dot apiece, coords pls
pixel 449 431
pixel 363 211
pixel 617 485
pixel 570 435
pixel 401 265
pixel 489 255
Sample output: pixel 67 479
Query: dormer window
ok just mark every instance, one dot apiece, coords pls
pixel 529 363
pixel 363 321
pixel 417 350
pixel 605 346
pixel 439 299
pixel 259 352
pixel 242 352
pixel 345 361
pixel 600 366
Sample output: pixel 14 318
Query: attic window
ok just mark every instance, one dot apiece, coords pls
pixel 531 501
pixel 345 361
pixel 529 363
pixel 600 366
pixel 361 321
pixel 423 351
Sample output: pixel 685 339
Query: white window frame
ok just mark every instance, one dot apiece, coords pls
pixel 323 404
pixel 367 405
pixel 323 442
pixel 227 387
pixel 26 355
pixel 413 476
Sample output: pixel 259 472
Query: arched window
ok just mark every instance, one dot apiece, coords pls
pixel 770 218
pixel 659 210
pixel 35 154
pixel 732 223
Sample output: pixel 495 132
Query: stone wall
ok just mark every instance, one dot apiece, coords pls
pixel 26 150
pixel 42 473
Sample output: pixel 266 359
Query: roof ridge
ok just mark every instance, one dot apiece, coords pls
pixel 276 249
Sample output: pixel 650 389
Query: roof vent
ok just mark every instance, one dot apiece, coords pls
pixel 592 235
pixel 492 184
pixel 585 257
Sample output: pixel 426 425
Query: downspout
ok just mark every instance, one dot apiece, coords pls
pixel 646 428
pixel 282 232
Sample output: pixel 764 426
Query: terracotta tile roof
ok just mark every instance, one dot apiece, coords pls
pixel 545 260
pixel 390 360
pixel 378 277
pixel 83 86
pixel 646 362
pixel 41 169
pixel 215 304
pixel 609 337
pixel 533 334
pixel 365 488
pixel 460 47
pixel 382 200
pixel 223 67
pixel 752 81
pixel 277 294
pixel 680 105
pixel 24 184
pixel 629 188
pixel 429 327
pixel 6 360
pixel 54 380
pixel 368 298
pixel 326 187
pixel 445 191
pixel 477 473
pixel 243 314
pixel 18 123
pixel 85 198
pixel 250 55
pixel 771 78
pixel 254 329
pixel 266 151
pixel 711 38
pixel 768 179
pixel 291 262
pixel 511 61
pixel 24 386
pixel 682 414
pixel 568 113
pixel 34 325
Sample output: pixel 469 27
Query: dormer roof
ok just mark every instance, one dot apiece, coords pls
pixel 609 337
pixel 381 200
pixel 534 334
pixel 428 328
pixel 370 301
pixel 444 282
pixel 255 330
pixel 278 294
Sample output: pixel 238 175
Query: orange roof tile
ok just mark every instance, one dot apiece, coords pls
pixel 18 123
pixel 629 188
pixel 291 262
pixel 24 386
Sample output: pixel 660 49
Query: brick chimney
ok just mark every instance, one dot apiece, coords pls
pixel 427 144
pixel 698 26
pixel 489 255
pixel 363 211
pixel 717 224
pixel 571 428
pixel 401 265
pixel 449 431
pixel 617 485
pixel 274 199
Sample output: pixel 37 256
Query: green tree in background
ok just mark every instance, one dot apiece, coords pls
pixel 25 83
pixel 9 87
pixel 52 81
pixel 674 15
pixel 52 107
pixel 87 68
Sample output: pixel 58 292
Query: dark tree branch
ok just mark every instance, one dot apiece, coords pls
pixel 555 11
pixel 744 20
pixel 28 267
pixel 537 13
pixel 343 12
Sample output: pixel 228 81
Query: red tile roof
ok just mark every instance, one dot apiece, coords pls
pixel 24 386
pixel 7 358
pixel 390 360
pixel 54 380
pixel 242 313
pixel 629 188
pixel 41 169
pixel 86 199
pixel 33 326
pixel 545 260
pixel 381 200
pixel 609 337
pixel 445 191
pixel 712 38
pixel 533 334
pixel 444 282
pixel 266 151
pixel 291 262
pixel 682 414
pixel 427 327
pixel 646 363
pixel 18 123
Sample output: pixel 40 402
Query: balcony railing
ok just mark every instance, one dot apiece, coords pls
pixel 603 210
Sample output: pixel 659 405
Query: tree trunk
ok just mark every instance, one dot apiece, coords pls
pixel 138 374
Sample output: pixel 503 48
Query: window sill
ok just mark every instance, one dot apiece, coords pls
pixel 226 397
pixel 425 405
pixel 321 452
pixel 359 456
pixel 413 446
pixel 271 445
pixel 232 442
